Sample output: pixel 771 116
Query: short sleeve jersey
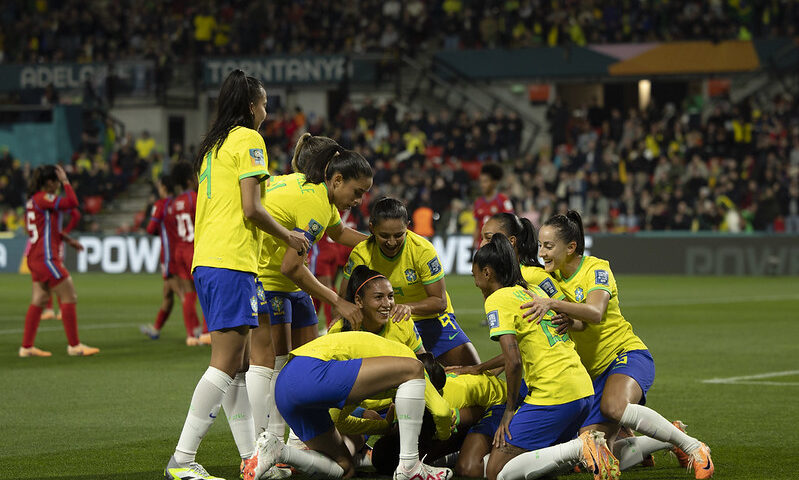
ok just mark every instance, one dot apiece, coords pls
pixel 184 209
pixel 415 266
pixel 484 208
pixel 402 332
pixel 599 344
pixel 552 368
pixel 299 206
pixel 223 237
pixel 482 390
pixel 538 276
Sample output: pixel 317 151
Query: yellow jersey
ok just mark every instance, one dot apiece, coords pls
pixel 538 276
pixel 484 390
pixel 223 237
pixel 352 345
pixel 402 332
pixel 552 368
pixel 297 206
pixel 599 344
pixel 415 266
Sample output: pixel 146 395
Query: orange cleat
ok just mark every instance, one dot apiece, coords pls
pixel 33 352
pixel 597 457
pixel 682 457
pixel 205 339
pixel 702 463
pixel 81 350
pixel 48 314
pixel 192 341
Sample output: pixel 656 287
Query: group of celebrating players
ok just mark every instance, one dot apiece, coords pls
pixel 395 363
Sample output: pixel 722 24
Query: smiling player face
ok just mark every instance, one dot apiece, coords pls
pixel 376 300
pixel 390 235
pixel 552 249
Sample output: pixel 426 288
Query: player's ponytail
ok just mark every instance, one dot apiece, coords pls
pixel 331 159
pixel 570 229
pixel 359 278
pixel 236 94
pixel 307 149
pixel 498 254
pixel 41 175
pixel 524 232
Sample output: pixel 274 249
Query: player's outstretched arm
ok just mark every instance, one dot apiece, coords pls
pixel 345 235
pixel 592 311
pixel 256 213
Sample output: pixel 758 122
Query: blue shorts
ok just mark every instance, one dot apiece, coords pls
pixel 440 335
pixel 295 308
pixel 227 297
pixel 637 364
pixel 307 387
pixel 540 426
pixel 489 423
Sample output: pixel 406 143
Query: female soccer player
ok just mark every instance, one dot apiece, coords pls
pixel 330 179
pixel 335 371
pixel 44 209
pixel 560 388
pixel 411 263
pixel 619 363
pixel 521 233
pixel 231 166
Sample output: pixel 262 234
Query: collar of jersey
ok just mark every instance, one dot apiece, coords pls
pixel 402 248
pixel 582 259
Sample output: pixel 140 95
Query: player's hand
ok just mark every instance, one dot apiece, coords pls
pixel 463 369
pixel 562 323
pixel 72 242
pixel 350 312
pixel 536 308
pixel 297 241
pixel 61 174
pixel 400 313
pixel 503 429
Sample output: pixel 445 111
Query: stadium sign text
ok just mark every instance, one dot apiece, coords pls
pixel 67 76
pixel 279 70
pixel 118 254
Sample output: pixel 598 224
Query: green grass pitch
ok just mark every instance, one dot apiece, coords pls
pixel 119 414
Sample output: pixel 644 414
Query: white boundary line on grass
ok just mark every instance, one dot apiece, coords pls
pixel 99 326
pixel 747 379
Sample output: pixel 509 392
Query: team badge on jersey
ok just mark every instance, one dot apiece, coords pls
pixel 601 277
pixel 548 287
pixel 435 266
pixel 349 266
pixel 493 319
pixel 257 157
pixel 277 305
pixel 314 227
pixel 578 294
pixel 410 275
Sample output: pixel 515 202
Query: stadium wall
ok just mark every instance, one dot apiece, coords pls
pixel 661 254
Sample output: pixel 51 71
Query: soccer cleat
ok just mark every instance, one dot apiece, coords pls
pixel 422 472
pixel 48 314
pixel 682 457
pixel 192 341
pixel 268 449
pixel 192 471
pixel 700 460
pixel 81 350
pixel 597 457
pixel 205 339
pixel 33 352
pixel 150 331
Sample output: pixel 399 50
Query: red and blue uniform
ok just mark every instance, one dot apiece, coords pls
pixel 43 220
pixel 182 212
pixel 168 233
pixel 485 208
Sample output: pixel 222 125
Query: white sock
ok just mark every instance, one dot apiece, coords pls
pixel 649 422
pixel 632 450
pixel 205 403
pixel 259 393
pixel 239 416
pixel 276 423
pixel 362 460
pixel 485 465
pixel 310 461
pixel 409 406
pixel 537 463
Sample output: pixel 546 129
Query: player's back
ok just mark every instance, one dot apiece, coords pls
pixel 43 226
pixel 183 211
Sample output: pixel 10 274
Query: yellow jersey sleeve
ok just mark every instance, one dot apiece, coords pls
pixel 349 425
pixel 484 390
pixel 429 265
pixel 539 277
pixel 335 217
pixel 358 256
pixel 249 150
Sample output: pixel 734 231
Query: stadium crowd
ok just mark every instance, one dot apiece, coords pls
pixel 63 31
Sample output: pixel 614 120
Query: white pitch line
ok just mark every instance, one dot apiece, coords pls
pixel 100 326
pixel 746 379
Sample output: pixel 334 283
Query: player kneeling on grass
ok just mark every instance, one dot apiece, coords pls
pixel 560 389
pixel 335 371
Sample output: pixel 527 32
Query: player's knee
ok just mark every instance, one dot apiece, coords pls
pixel 613 408
pixel 412 369
pixel 493 469
pixel 468 466
pixel 348 467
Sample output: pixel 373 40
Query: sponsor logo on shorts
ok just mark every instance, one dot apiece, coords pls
pixel 257 157
pixel 578 294
pixel 601 277
pixel 493 319
pixel 435 266
pixel 410 275
pixel 548 287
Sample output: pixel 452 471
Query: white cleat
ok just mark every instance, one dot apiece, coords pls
pixel 268 449
pixel 192 471
pixel 422 472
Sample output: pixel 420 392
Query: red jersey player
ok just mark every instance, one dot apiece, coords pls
pixel 492 202
pixel 43 212
pixel 74 217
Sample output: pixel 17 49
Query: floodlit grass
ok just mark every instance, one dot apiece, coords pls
pixel 119 414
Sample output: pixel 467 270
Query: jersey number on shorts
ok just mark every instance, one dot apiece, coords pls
pixel 551 333
pixel 32 227
pixel 185 227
